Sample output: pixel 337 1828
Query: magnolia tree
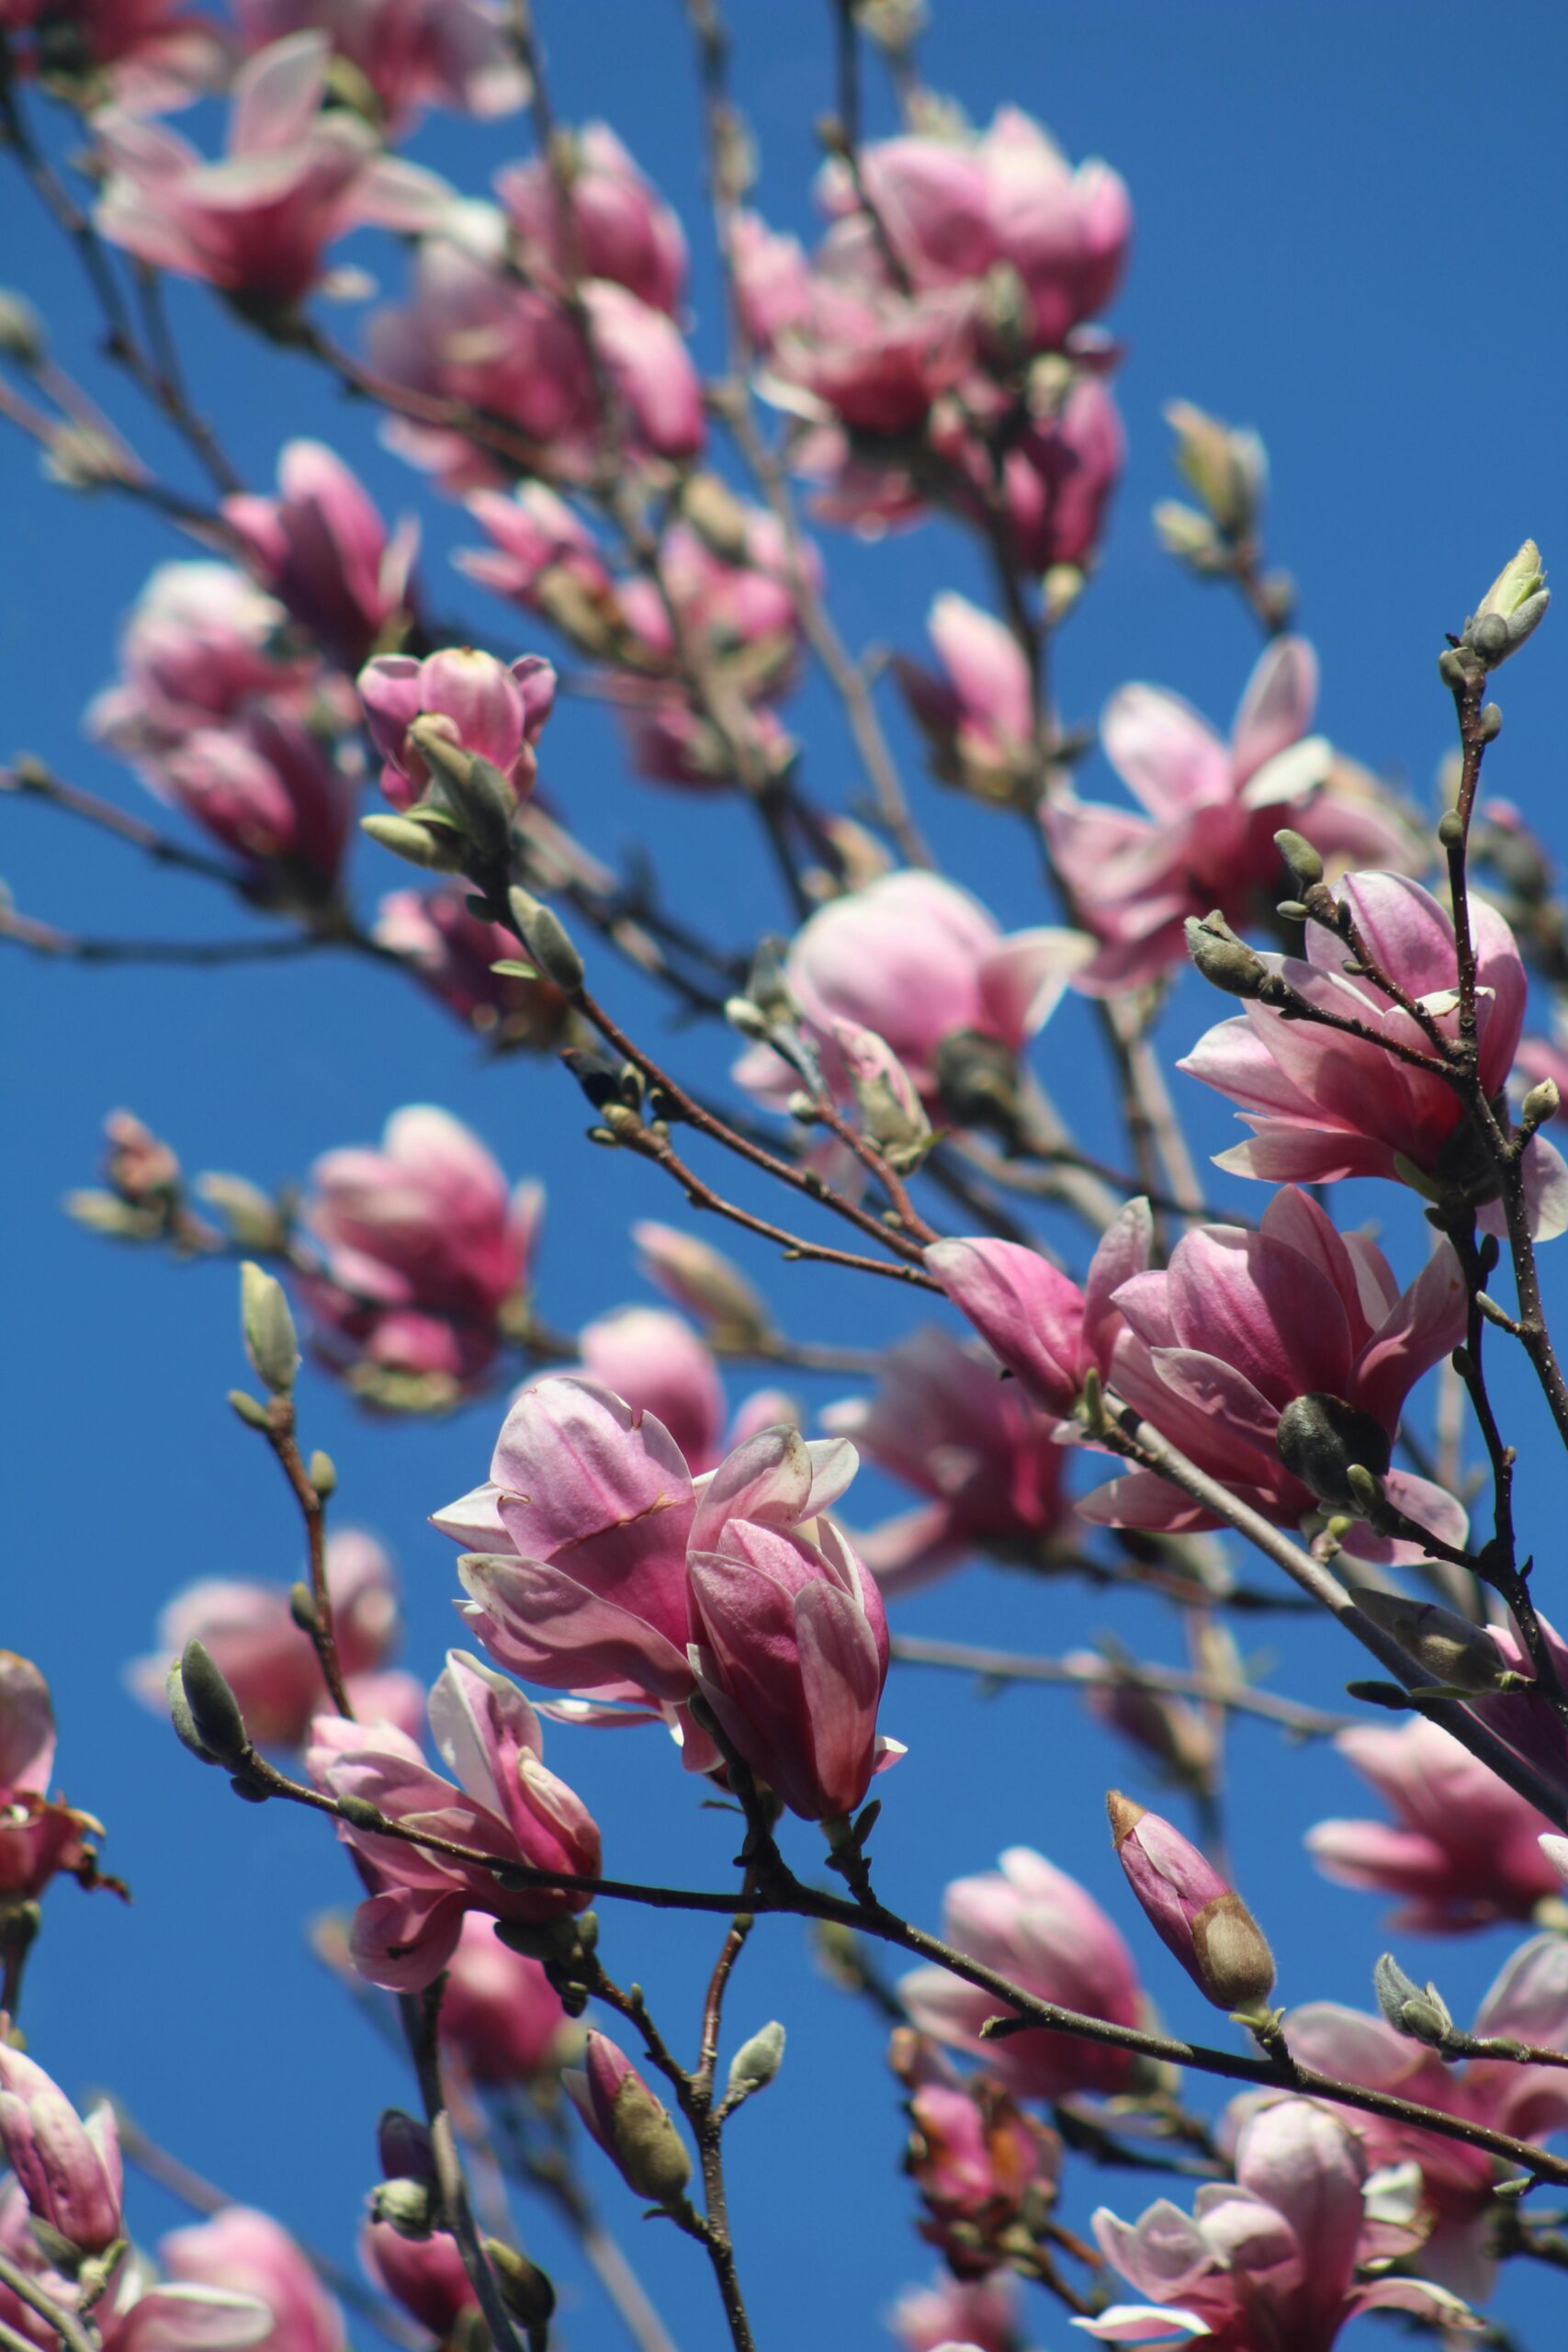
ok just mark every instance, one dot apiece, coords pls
pixel 1114 1365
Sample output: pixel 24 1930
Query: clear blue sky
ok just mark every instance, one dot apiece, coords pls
pixel 1349 234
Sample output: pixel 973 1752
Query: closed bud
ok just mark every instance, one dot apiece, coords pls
pixel 978 1078
pixel 1542 1102
pixel 705 1282
pixel 22 335
pixel 1421 2013
pixel 1512 609
pixel 406 2206
pixel 1302 860
pixel 404 2145
pixel 1194 1913
pixel 437 848
pixel 1448 1649
pixel 717 515
pixel 748 1018
pixel 302 1609
pixel 181 1719
pixel 755 2063
pixel 1225 466
pixel 1188 535
pixel 1454 669
pixel 475 792
pixel 251 1215
pixel 548 940
pixel 268 1326
pixel 631 2126
pixel 1225 961
pixel 1321 1438
pixel 214 1711
pixel 1232 1959
pixel 251 1410
pixel 322 1474
pixel 1489 722
pixel 524 2288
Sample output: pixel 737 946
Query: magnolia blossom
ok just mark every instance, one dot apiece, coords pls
pixel 249 2254
pixel 500 2014
pixel 1211 811
pixel 1037 1926
pixel 543 556
pixel 979 715
pixel 979 2164
pixel 426 2275
pixel 658 1363
pixel 142 56
pixel 621 228
pixel 506 1804
pixel 1241 1327
pixel 918 960
pixel 249 1631
pixel 421 1247
pixel 136 2313
pixel 201 645
pixel 270 790
pixel 1321 1104
pixel 494 711
pixel 413 54
pixel 70 2171
pixel 1195 1914
pixel 324 552
pixel 1270 2259
pixel 293 180
pixel 979 2312
pixel 1454 2206
pixel 39 1835
pixel 1065 460
pixel 944 1421
pixel 454 951
pixel 1461 1850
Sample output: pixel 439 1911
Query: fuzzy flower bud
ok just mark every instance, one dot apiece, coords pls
pixel 756 2063
pixel 1225 961
pixel 1446 1646
pixel 1302 860
pixel 406 2206
pixel 632 2127
pixel 1191 1908
pixel 1321 1440
pixel 1225 466
pixel 211 1707
pixel 1513 608
pixel 1421 2016
pixel 268 1327
pixel 1543 1101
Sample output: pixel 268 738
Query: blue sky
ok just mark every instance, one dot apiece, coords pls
pixel 1349 224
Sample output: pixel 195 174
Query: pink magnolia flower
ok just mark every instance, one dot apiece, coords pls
pixel 506 1803
pixel 1049 1334
pixel 916 960
pixel 453 951
pixel 39 1835
pixel 421 1247
pixel 249 1633
pixel 413 54
pixel 201 645
pixel 732 605
pixel 1062 463
pixel 1211 811
pixel 977 715
pixel 624 231
pixel 500 2014
pixel 1037 1926
pixel 978 2163
pixel 671 741
pixel 1323 1105
pixel 249 2254
pixel 1195 1915
pixel 944 1421
pixel 1529 2003
pixel 659 1364
pixel 70 2171
pixel 142 56
pixel 629 2123
pixel 490 709
pixel 542 554
pixel 1269 2260
pixel 1242 1327
pixel 1461 1850
pixel 294 179
pixel 702 1280
pixel 979 2312
pixel 324 552
pixel 772 278
pixel 426 2275
pixel 270 790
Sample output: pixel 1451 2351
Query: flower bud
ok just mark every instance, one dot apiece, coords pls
pixel 890 1109
pixel 403 2144
pixel 1320 1438
pixel 705 1282
pixel 1446 1647
pixel 212 1708
pixel 1542 1102
pixel 1191 1908
pixel 524 2288
pixel 1225 466
pixel 477 793
pixel 1302 860
pixel 1225 961
pixel 268 1327
pixel 755 2063
pixel 548 940
pixel 1188 535
pixel 1512 609
pixel 180 1716
pixel 631 2126
pixel 406 2206
pixel 418 841
pixel 1421 2016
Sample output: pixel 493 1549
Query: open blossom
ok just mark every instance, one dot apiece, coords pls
pixel 39 1835
pixel 423 1246
pixel 69 2170
pixel 142 56
pixel 660 1366
pixel 413 54
pixel 136 2313
pixel 426 2275
pixel 621 229
pixel 453 951
pixel 1323 1105
pixel 1461 1850
pixel 1244 1335
pixel 270 790
pixel 322 550
pixel 944 1421
pixel 1270 2259
pixel 200 644
pixel 1454 2208
pixel 495 711
pixel 248 2253
pixel 500 2014
pixel 918 960
pixel 293 180
pixel 505 1804
pixel 1210 811
pixel 1037 1926
pixel 248 1631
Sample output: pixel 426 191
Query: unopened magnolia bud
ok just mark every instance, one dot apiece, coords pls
pixel 1446 1647
pixel 749 1018
pixel 756 2063
pixel 437 848
pixel 524 2288
pixel 22 336
pixel 268 1327
pixel 181 1719
pixel 1542 1102
pixel 1225 961
pixel 1420 2014
pixel 1299 856
pixel 403 2144
pixel 978 1078
pixel 548 942
pixel 1512 609
pixel 1454 670
pixel 251 1410
pixel 1232 1959
pixel 251 1215
pixel 705 1282
pixel 1196 1915
pixel 1188 535
pixel 1225 466
pixel 213 1708
pixel 650 2151
pixel 322 1472
pixel 302 1609
pixel 1319 1437
pixel 477 793
pixel 1489 722
pixel 406 2206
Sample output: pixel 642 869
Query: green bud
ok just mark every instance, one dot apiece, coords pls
pixel 649 2151
pixel 1420 2015
pixel 1448 1649
pixel 1225 961
pixel 1323 1440
pixel 213 1709
pixel 548 940
pixel 1188 535
pixel 1542 1102
pixel 755 2063
pixel 181 1719
pixel 1231 1956
pixel 322 1474
pixel 22 335
pixel 1226 468
pixel 437 848
pixel 1512 609
pixel 270 1341
pixel 302 1609
pixel 1490 722
pixel 1302 860
pixel 406 2206
pixel 359 1813
pixel 251 1410
pixel 524 2288
pixel 250 1213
